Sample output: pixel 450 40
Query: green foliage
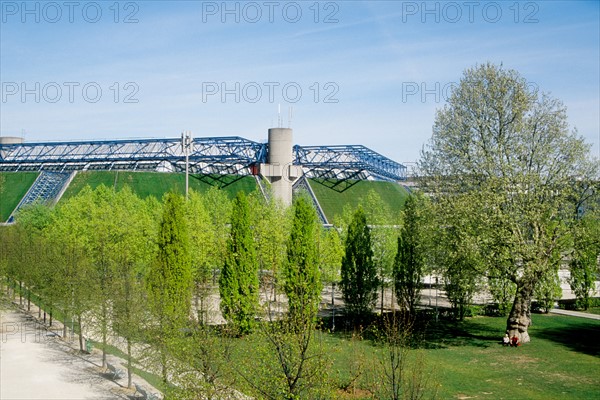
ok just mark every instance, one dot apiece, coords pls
pixel 271 226
pixel 331 251
pixel 548 290
pixel 170 279
pixel 202 366
pixel 202 232
pixel 457 256
pixel 502 290
pixel 409 263
pixel 384 234
pixel 584 264
pixel 359 274
pixel 238 283
pixel 218 206
pixel 169 282
pixel 302 276
pixel 289 362
pixel 400 373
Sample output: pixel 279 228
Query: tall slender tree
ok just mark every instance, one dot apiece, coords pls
pixel 409 263
pixel 238 283
pixel 359 274
pixel 384 234
pixel 201 236
pixel 170 278
pixel 134 253
pixel 302 276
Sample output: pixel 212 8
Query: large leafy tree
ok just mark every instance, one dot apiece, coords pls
pixel 238 283
pixel 502 157
pixel 359 274
pixel 302 275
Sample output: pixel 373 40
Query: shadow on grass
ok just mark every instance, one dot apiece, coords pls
pixel 581 337
pixel 446 333
pixel 431 334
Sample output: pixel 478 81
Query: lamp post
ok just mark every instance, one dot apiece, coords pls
pixel 186 145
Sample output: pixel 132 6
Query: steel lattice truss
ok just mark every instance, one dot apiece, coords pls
pixel 215 155
pixel 346 162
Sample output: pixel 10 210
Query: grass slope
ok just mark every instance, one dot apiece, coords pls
pixel 333 201
pixel 13 186
pixel 155 184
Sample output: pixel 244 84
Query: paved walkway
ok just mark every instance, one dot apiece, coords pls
pixel 575 313
pixel 38 364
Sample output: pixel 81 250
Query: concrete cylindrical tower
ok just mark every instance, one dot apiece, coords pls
pixel 280 146
pixel 280 156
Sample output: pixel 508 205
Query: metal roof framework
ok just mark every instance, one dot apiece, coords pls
pixel 346 162
pixel 216 155
pixel 208 156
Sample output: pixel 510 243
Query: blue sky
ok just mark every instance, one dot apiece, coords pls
pixel 355 72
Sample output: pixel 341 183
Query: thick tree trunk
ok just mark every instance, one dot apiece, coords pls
pixel 519 318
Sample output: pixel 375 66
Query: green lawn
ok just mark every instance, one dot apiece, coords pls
pixel 156 184
pixel 562 361
pixel 13 186
pixel 466 359
pixel 333 200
